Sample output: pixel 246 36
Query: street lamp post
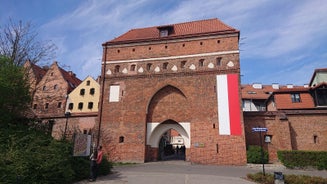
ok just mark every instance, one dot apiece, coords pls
pixel 67 114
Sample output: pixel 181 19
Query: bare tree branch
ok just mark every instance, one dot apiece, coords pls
pixel 19 42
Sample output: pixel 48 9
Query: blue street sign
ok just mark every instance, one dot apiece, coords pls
pixel 259 129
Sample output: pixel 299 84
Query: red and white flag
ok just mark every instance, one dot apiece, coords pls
pixel 229 111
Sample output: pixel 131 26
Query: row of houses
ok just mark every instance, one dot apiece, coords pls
pixel 165 78
pixel 62 100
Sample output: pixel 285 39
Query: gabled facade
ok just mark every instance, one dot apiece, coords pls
pixel 318 85
pixel 173 77
pixel 34 74
pixel 51 92
pixel 84 98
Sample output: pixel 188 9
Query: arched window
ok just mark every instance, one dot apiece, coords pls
pixel 133 67
pixel 218 61
pixel 165 66
pixel 183 63
pixel 201 62
pixel 148 66
pixel 117 67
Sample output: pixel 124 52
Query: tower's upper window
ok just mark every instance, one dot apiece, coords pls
pixel 165 31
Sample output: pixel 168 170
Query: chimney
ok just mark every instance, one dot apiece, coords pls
pixel 257 85
pixel 289 85
pixel 71 73
pixel 275 85
pixel 306 85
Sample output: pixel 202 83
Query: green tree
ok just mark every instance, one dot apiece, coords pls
pixel 14 91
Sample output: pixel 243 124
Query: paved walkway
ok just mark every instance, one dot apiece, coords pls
pixel 180 172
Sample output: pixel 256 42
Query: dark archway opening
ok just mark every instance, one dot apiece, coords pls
pixel 171 146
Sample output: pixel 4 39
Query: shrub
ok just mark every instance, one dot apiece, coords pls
pixel 30 156
pixel 303 159
pixel 254 155
pixel 288 179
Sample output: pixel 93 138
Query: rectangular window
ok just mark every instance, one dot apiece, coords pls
pixel 218 61
pixel 82 92
pixel 90 105
pixel 35 106
pixel 295 98
pixel 114 93
pixel 70 106
pixel 133 67
pixel 46 105
pixel 59 105
pixel 92 90
pixel 80 105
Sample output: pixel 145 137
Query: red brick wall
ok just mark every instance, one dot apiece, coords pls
pixel 291 130
pixel 50 94
pixel 185 95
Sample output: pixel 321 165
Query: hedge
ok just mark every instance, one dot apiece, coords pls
pixel 303 159
pixel 253 155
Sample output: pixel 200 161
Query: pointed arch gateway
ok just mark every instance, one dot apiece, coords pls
pixel 166 110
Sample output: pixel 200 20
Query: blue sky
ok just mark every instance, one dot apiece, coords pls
pixel 282 41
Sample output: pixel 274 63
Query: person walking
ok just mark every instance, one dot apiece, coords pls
pixel 93 165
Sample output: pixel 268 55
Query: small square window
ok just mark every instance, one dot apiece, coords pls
pixel 133 67
pixel 117 68
pixel 183 63
pixel 82 92
pixel 80 105
pixel 148 66
pixel 92 91
pixel 218 61
pixel 34 106
pixel 163 32
pixel 165 66
pixel 295 98
pixel 201 62
pixel 70 106
pixel 90 105
pixel 121 139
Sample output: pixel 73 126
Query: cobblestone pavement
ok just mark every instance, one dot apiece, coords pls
pixel 180 172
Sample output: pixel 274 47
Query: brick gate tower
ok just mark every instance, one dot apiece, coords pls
pixel 182 77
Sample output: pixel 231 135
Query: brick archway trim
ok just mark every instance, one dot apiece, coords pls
pixel 156 130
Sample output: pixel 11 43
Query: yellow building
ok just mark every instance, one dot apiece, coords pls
pixel 84 98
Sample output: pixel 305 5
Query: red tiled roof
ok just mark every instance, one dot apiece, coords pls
pixel 294 89
pixel 249 92
pixel 284 101
pixel 195 28
pixel 72 80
